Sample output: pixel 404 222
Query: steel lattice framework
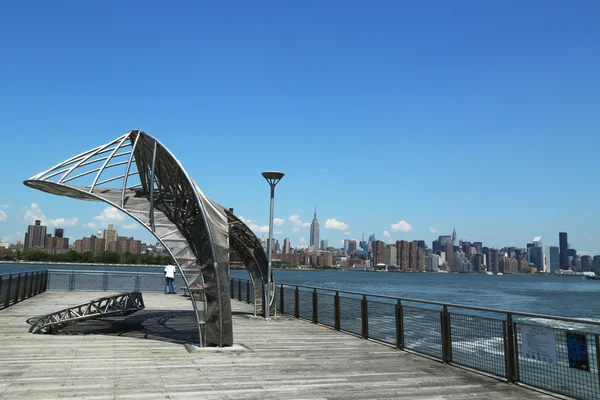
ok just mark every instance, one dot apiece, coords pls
pixel 154 189
pixel 120 304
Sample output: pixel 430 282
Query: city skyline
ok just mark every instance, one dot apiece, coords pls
pixel 314 232
pixel 392 119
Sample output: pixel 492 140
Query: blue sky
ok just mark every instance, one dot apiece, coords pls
pixel 482 114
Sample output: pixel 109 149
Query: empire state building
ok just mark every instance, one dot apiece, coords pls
pixel 314 232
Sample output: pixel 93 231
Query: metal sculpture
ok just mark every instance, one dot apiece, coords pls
pixel 156 191
pixel 120 304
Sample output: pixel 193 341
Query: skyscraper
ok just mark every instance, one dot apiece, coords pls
pixel 324 244
pixel 564 246
pixel 35 238
pixel 586 263
pixel 286 246
pixel 58 232
pixel 454 238
pixel 378 248
pixel 351 246
pixel 553 258
pixel 449 255
pixel 364 245
pixel 314 232
pixel 443 239
pixel 110 235
pixel 435 246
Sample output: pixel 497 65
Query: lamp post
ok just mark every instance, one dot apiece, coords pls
pixel 273 178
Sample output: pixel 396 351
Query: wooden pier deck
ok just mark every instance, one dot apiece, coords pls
pixel 145 356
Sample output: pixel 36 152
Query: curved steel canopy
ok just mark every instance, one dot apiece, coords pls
pixel 157 192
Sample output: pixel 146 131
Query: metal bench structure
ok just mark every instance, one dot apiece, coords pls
pixel 109 306
pixel 153 188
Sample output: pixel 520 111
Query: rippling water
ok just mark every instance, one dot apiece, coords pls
pixel 566 296
pixel 555 295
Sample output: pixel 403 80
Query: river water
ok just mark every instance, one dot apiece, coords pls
pixel 568 296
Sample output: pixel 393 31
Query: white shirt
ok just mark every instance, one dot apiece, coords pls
pixel 170 271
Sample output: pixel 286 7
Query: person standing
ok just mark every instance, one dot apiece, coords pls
pixel 170 279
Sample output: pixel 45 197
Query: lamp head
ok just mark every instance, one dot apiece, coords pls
pixel 273 177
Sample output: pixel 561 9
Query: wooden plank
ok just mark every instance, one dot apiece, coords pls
pixel 143 356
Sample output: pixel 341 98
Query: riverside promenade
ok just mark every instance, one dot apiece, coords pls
pixel 147 355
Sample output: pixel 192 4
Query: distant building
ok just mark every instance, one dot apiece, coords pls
pixel 477 262
pixel 454 238
pixel 378 248
pixel 389 254
pixel 314 232
pixel 449 255
pixel 56 245
pixel 433 263
pixel 324 244
pixel 553 258
pixel 420 265
pixel 364 245
pixel 35 237
pixel 351 246
pixel 58 233
pixel 325 258
pixel 403 255
pixel 586 263
pixel 277 247
pixel 536 253
pixel 435 246
pixel 494 260
pixel 478 246
pixel 564 246
pixel 444 239
pixel 286 246
pixel 110 235
pixel 596 265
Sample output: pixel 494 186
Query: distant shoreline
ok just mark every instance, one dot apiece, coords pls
pixel 81 264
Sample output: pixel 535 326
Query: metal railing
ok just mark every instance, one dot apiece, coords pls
pixel 109 281
pixel 488 340
pixel 20 286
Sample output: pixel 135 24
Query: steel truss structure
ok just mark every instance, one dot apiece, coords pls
pixel 120 304
pixel 153 188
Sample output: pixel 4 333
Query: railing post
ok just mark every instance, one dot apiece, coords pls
pixel 315 310
pixel 34 283
pixel 231 288
pixel 72 282
pixel 105 283
pixel 239 289
pixel 449 335
pixel 16 298
pixel 297 303
pixel 399 326
pixel 515 352
pixel 25 282
pixel 364 316
pixel 137 282
pixel 598 355
pixel 7 294
pixel 281 302
pixel 336 312
pixel 1 286
pixel 40 280
pixel 509 353
pixel 31 282
pixel 45 282
pixel 248 292
pixel 446 336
